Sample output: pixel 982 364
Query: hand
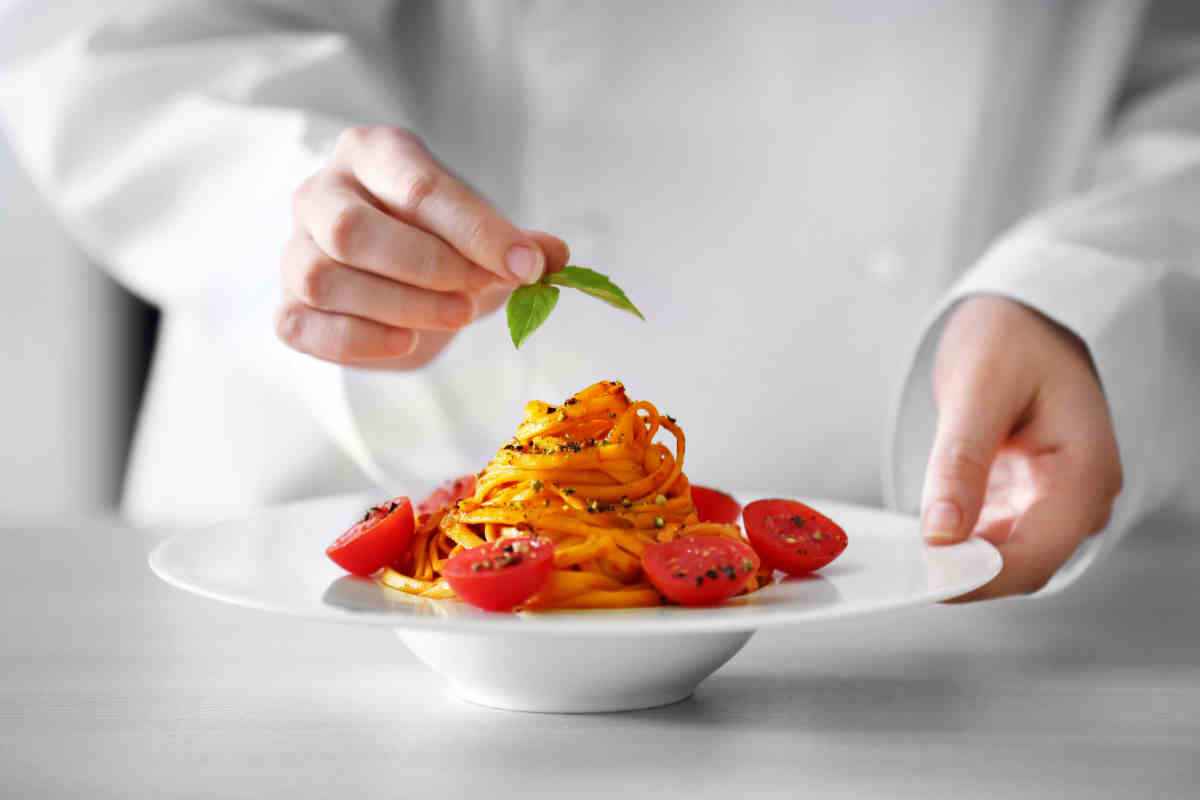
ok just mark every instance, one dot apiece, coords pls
pixel 391 254
pixel 1025 455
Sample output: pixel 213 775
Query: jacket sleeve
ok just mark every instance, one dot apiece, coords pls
pixel 169 142
pixel 1117 263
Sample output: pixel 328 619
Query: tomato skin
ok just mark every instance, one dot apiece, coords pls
pixel 815 539
pixel 380 538
pixel 699 570
pixel 713 505
pixel 500 575
pixel 446 495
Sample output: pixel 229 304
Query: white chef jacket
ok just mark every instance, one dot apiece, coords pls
pixel 795 193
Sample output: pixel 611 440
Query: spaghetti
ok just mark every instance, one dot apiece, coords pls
pixel 587 475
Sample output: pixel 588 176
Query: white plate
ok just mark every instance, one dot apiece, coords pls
pixel 275 562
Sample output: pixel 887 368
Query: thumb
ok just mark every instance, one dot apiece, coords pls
pixel 556 251
pixel 976 413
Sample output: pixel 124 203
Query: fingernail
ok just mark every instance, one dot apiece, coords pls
pixel 942 520
pixel 524 263
pixel 481 279
pixel 402 342
pixel 457 310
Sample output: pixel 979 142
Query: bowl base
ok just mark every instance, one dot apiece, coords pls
pixel 573 674
pixel 593 705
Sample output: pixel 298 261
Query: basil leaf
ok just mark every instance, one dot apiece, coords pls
pixel 599 286
pixel 528 307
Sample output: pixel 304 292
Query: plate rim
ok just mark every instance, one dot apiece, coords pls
pixel 631 622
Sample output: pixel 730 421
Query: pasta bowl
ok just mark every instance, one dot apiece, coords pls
pixel 562 661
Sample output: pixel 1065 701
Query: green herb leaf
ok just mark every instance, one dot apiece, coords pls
pixel 599 286
pixel 528 307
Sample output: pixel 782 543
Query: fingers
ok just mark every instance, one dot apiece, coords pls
pixel 394 253
pixel 1039 541
pixel 340 338
pixel 401 174
pixel 323 284
pixel 1072 472
pixel 340 218
pixel 556 251
pixel 978 406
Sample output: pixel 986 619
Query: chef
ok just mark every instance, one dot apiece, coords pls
pixel 941 255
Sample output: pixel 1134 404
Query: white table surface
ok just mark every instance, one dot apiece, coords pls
pixel 115 685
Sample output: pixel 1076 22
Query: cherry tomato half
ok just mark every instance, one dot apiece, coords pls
pixel 501 575
pixel 715 506
pixel 792 537
pixel 699 570
pixel 446 495
pixel 380 538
